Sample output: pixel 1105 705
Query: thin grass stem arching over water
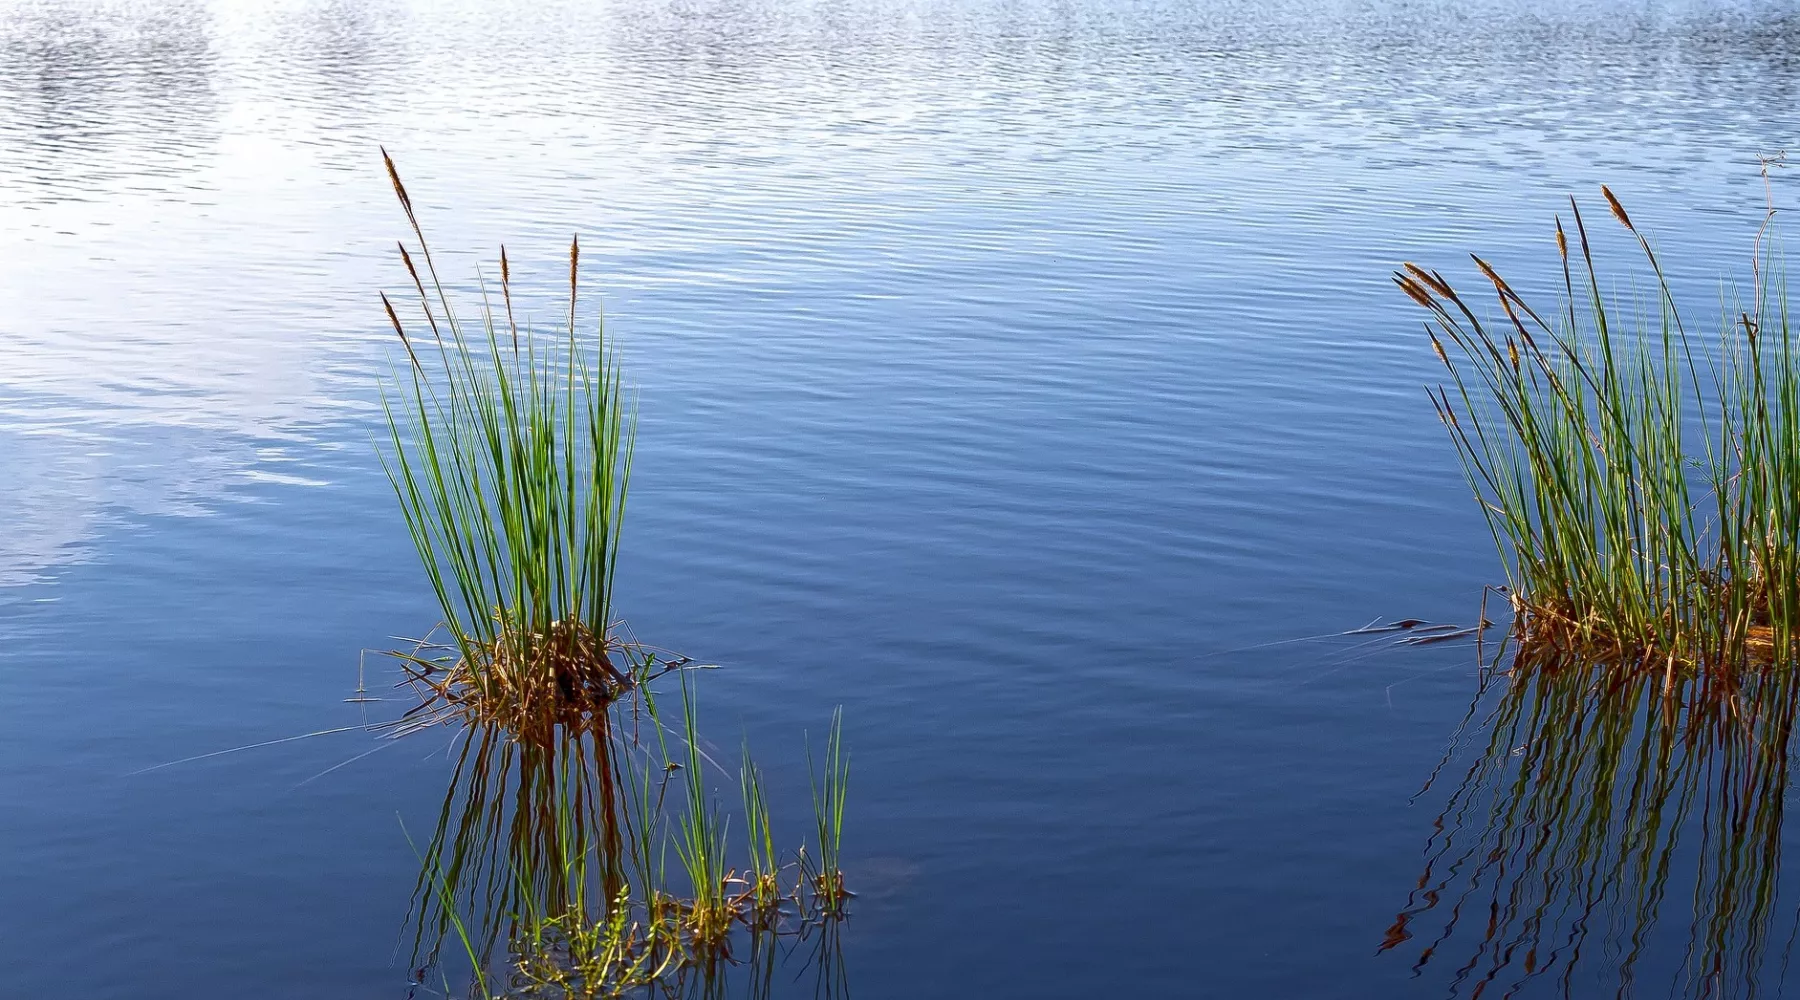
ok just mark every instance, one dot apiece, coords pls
pixel 511 452
pixel 1643 483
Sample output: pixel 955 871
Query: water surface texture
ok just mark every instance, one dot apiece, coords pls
pixel 1015 373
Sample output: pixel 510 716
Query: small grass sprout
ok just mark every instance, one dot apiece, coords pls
pixel 700 843
pixel 763 874
pixel 828 792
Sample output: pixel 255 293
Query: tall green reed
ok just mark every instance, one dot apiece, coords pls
pixel 511 453
pixel 1642 485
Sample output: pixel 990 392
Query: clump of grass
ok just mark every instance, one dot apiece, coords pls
pixel 579 959
pixel 1642 484
pixel 573 955
pixel 511 453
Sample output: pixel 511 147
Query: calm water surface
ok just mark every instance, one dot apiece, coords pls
pixel 1013 373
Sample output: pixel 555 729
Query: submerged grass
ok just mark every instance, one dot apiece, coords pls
pixel 1642 483
pixel 528 831
pixel 511 453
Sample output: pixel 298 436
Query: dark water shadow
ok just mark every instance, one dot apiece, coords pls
pixel 1599 815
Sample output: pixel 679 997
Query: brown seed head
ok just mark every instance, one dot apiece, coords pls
pixel 394 175
pixel 392 318
pixel 406 259
pixel 1439 349
pixel 1618 210
pixel 395 319
pixel 1493 276
pixel 1431 281
pixel 1412 289
pixel 1562 242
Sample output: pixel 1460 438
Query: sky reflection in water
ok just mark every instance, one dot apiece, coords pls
pixel 1001 365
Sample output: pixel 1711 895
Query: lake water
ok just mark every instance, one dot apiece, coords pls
pixel 1018 374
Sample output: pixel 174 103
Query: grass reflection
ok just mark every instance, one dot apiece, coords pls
pixel 548 872
pixel 1603 803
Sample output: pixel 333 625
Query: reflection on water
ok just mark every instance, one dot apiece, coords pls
pixel 548 874
pixel 1598 809
pixel 519 827
pixel 970 333
pixel 101 99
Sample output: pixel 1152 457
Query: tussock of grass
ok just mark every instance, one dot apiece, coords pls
pixel 511 456
pixel 1643 485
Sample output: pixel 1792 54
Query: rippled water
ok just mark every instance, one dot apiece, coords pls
pixel 1013 372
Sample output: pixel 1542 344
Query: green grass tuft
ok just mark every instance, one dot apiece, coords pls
pixel 828 792
pixel 1643 485
pixel 511 453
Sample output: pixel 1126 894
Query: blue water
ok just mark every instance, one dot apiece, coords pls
pixel 1007 369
